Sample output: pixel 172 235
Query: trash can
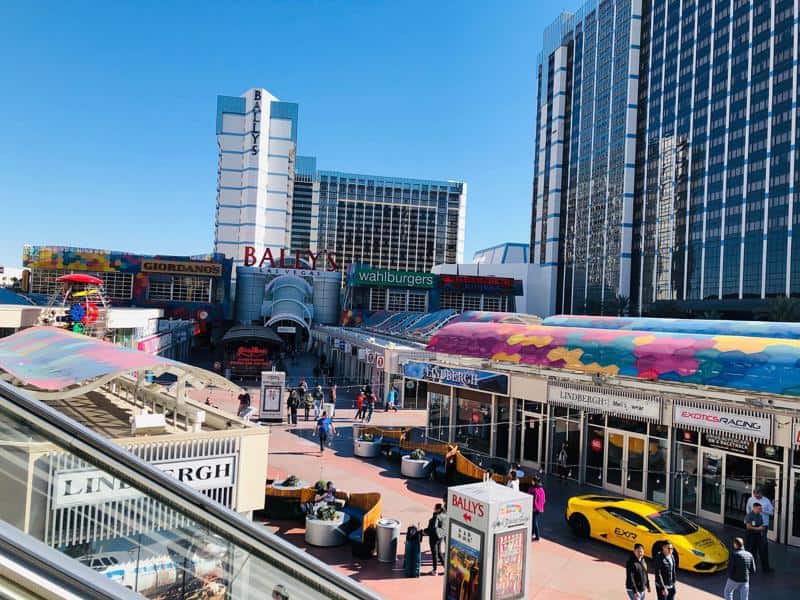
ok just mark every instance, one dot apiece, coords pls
pixel 388 535
pixel 330 408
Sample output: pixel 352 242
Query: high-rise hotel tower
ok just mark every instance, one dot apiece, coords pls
pixel 666 155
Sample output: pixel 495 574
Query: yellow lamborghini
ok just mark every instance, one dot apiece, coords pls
pixel 625 522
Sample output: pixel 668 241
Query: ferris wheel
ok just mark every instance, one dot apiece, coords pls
pixel 80 305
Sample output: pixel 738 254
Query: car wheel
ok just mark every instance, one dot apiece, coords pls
pixel 579 525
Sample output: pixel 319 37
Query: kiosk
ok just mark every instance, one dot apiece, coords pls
pixel 488 538
pixel 273 388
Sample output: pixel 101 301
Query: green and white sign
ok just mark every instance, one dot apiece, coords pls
pixel 387 278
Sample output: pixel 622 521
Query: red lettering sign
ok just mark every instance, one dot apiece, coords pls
pixel 267 258
pixel 469 506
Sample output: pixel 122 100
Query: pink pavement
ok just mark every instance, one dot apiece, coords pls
pixel 557 571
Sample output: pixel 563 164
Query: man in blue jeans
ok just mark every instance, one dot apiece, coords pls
pixel 740 566
pixel 325 428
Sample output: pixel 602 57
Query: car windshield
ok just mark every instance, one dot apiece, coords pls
pixel 672 523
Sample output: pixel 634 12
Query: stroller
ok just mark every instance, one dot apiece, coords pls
pixel 413 552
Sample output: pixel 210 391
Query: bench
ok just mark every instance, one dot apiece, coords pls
pixel 440 454
pixel 286 504
pixel 364 510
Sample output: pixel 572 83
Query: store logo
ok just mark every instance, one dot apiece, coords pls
pixel 385 278
pixel 737 423
pixel 454 376
pixel 469 507
pixel 250 258
pixel 255 131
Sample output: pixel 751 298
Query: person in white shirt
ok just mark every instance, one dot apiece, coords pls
pixel 767 509
pixel 513 482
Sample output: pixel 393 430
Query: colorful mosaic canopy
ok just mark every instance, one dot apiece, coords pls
pixel 759 364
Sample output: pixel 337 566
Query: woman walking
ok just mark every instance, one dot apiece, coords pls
pixel 537 491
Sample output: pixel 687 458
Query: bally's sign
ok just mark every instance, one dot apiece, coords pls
pixel 585 398
pixel 486 381
pixel 178 267
pixel 92 486
pixel 753 426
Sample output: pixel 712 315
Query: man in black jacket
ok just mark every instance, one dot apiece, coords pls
pixel 740 567
pixel 636 580
pixel 666 571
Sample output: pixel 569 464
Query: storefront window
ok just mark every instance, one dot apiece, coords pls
pixel 502 419
pixel 659 431
pixel 439 416
pixel 657 471
pixel 416 394
pixel 566 434
pixel 473 423
pixel 685 488
pixel 594 456
pixel 627 424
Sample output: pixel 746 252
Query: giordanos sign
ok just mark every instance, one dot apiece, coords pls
pixel 744 424
pixel 365 276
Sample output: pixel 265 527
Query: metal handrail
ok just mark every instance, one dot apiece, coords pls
pixel 58 569
pixel 117 461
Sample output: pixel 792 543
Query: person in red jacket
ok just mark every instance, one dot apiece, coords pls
pixel 359 406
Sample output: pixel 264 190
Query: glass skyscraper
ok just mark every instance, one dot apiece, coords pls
pixel 665 155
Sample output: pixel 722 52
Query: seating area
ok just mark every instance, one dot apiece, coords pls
pixel 442 457
pixel 362 508
pixel 408 324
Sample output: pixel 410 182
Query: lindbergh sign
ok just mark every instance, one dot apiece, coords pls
pixel 487 381
pixel 177 267
pixel 92 486
pixel 606 401
pixel 754 426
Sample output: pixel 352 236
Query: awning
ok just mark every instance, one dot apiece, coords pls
pixel 247 333
pixel 730 421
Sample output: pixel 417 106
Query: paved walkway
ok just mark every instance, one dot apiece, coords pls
pixel 561 566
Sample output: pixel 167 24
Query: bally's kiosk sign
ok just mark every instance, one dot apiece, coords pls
pixel 485 381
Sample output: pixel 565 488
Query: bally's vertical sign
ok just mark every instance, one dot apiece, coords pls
pixel 84 487
pixel 255 130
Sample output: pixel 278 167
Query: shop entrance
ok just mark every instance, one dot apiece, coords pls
pixel 625 463
pixel 531 443
pixel 794 521
pixel 726 483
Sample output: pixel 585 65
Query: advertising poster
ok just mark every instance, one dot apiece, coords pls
pixel 509 565
pixel 464 551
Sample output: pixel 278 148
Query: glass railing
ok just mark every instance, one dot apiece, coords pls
pixel 98 504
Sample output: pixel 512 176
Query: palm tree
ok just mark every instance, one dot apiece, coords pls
pixel 784 309
pixel 623 305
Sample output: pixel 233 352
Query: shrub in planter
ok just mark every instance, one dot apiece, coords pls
pixel 326 513
pixel 321 485
pixel 365 436
pixel 418 454
pixel 290 481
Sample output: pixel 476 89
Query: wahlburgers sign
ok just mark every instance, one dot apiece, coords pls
pixel 387 278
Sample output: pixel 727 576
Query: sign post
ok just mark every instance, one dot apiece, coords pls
pixel 487 542
pixel 273 387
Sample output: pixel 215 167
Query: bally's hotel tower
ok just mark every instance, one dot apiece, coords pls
pixel 269 197
pixel 666 154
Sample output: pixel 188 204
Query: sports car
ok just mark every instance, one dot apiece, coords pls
pixel 625 522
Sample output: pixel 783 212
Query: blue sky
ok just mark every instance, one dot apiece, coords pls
pixel 108 109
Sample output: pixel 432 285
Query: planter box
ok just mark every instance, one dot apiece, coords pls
pixel 327 533
pixel 366 449
pixel 414 468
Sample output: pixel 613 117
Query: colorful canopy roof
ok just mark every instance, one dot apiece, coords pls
pixel 759 364
pixel 48 358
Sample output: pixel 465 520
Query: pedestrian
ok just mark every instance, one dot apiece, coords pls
pixel 637 581
pixel 305 398
pixel 244 404
pixel 370 406
pixel 412 559
pixel 756 538
pixel 537 491
pixel 561 460
pixel 665 572
pixel 333 393
pixel 293 403
pixel 319 398
pixel 359 407
pixel 325 429
pixel 767 512
pixel 435 533
pixel 741 565
pixel 513 482
pixel 391 400
pixel 303 386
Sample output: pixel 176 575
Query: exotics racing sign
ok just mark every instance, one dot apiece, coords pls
pixel 710 419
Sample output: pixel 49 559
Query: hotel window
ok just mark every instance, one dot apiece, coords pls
pixel 377 299
pixel 451 300
pixel 472 302
pixel 397 300
pixel 118 286
pixel 416 301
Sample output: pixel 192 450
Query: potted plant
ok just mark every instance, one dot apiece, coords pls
pixel 366 436
pixel 367 444
pixel 415 465
pixel 418 454
pixel 291 481
pixel 326 513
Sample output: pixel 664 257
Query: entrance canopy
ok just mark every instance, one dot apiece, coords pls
pixel 64 364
